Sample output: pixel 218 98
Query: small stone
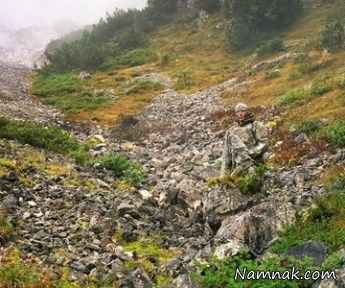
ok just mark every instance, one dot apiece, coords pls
pixel 32 203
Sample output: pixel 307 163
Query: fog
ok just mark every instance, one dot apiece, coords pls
pixel 16 14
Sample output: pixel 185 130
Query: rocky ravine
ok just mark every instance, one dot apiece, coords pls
pixel 75 226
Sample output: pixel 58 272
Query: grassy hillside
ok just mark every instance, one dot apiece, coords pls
pixel 195 58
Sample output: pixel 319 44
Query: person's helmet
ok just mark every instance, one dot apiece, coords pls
pixel 241 107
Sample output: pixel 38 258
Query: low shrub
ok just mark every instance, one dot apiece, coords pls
pixel 6 229
pixel 252 184
pixel 130 59
pixel 122 168
pixel 309 127
pixel 221 273
pixel 273 74
pixel 340 81
pixel 293 96
pixel 143 85
pixel 332 37
pixel 335 134
pixel 46 137
pixel 271 46
pixel 320 86
pixel 184 79
pixel 295 75
pixel 50 138
pixel 323 222
pixel 13 273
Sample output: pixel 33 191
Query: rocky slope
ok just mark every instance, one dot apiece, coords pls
pixel 87 226
pixel 15 101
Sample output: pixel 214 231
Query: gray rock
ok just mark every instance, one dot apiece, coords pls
pixel 315 250
pixel 136 279
pixel 184 281
pixel 228 249
pixel 84 75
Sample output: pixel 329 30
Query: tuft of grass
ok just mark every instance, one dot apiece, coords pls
pixel 309 127
pixel 293 97
pixel 143 85
pixel 14 274
pixel 340 81
pixel 273 74
pixel 122 168
pixel 335 133
pixel 6 229
pixel 248 184
pixel 319 87
pixel 184 79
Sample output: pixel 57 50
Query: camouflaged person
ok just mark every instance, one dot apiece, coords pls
pixel 244 143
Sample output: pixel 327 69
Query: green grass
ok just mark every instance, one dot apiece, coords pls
pixel 221 274
pixel 293 97
pixel 67 93
pixel 46 137
pixel 49 138
pixel 15 273
pixel 6 229
pixel 122 168
pixel 142 86
pixel 325 222
pixel 133 58
pixel 319 87
pixel 309 127
pixel 335 133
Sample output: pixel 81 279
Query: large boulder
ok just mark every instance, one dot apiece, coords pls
pixel 258 226
pixel 314 250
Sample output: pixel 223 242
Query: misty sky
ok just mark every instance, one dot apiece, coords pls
pixel 23 13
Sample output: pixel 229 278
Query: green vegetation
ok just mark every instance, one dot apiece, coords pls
pixel 143 85
pixel 335 133
pixel 332 36
pixel 248 184
pixel 340 81
pixel 49 138
pixel 57 140
pixel 6 229
pixel 251 184
pixel 132 58
pixel 248 21
pixel 149 256
pixel 294 96
pixel 184 79
pixel 309 127
pixel 112 38
pixel 319 87
pixel 324 222
pixel 122 168
pixel 66 92
pixel 15 273
pixel 222 273
pixel 271 46
pixel 272 74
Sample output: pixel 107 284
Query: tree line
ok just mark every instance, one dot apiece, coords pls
pixel 123 31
